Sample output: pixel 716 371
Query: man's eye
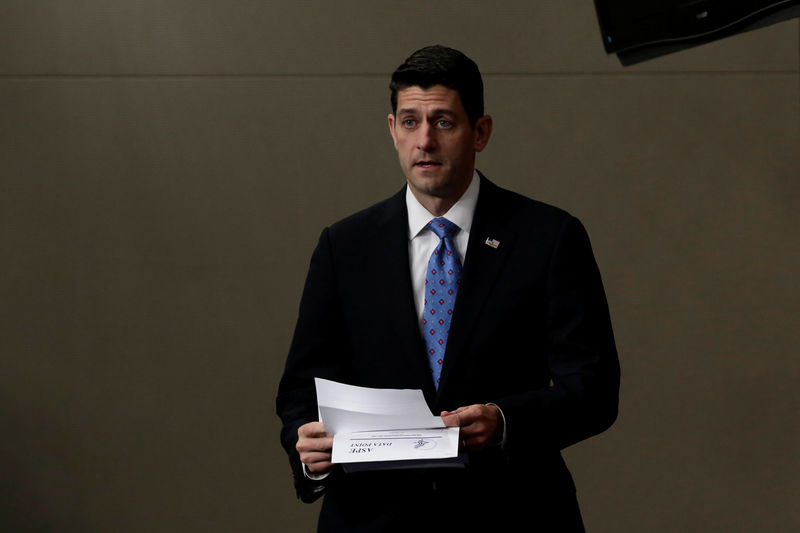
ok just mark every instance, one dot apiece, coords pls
pixel 444 123
pixel 408 123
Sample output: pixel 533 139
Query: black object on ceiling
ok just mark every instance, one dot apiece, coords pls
pixel 638 30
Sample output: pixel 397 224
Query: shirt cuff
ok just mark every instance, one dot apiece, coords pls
pixel 319 477
pixel 503 440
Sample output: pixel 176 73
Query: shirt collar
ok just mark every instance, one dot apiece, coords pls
pixel 460 214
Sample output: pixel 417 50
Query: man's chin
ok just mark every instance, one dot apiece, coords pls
pixel 431 188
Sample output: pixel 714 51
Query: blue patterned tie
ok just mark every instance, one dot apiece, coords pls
pixel 441 286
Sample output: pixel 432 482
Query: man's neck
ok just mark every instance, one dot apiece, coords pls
pixel 439 205
pixel 435 206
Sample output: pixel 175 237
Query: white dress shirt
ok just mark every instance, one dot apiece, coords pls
pixel 422 241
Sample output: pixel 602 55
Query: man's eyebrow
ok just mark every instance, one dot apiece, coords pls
pixel 438 112
pixel 407 111
pixel 433 113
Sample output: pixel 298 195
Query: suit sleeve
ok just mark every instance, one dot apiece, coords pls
pixel 316 350
pixel 581 356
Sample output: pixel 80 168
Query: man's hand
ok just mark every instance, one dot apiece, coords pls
pixel 481 425
pixel 314 447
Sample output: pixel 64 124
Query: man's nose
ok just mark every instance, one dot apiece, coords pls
pixel 427 138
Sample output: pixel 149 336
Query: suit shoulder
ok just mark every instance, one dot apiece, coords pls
pixel 374 216
pixel 523 210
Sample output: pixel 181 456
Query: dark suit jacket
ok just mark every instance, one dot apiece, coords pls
pixel 530 332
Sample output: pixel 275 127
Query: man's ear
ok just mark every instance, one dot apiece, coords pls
pixel 483 131
pixel 391 129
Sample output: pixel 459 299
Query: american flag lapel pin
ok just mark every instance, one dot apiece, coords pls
pixel 494 243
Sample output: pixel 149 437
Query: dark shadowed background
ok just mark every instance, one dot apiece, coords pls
pixel 166 168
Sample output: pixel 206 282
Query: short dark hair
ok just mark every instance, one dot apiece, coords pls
pixel 440 65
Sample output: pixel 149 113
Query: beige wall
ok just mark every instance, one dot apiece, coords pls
pixel 165 170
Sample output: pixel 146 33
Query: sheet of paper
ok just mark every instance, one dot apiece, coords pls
pixel 398 445
pixel 347 408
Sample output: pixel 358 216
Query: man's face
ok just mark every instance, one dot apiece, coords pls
pixel 435 142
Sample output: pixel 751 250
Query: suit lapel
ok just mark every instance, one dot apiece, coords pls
pixel 490 241
pixel 392 261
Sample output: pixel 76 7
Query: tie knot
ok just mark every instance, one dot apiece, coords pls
pixel 443 227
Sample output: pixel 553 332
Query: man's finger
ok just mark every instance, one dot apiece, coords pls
pixel 311 429
pixel 314 444
pixel 451 419
pixel 312 458
pixel 461 417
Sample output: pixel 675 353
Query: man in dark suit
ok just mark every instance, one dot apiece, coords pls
pixel 489 302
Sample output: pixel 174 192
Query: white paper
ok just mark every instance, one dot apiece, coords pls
pixel 397 445
pixel 370 425
pixel 347 408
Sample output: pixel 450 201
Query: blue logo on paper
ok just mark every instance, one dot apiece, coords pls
pixel 423 444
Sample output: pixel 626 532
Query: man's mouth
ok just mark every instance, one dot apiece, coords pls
pixel 427 164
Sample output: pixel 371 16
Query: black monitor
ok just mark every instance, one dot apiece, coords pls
pixel 637 30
